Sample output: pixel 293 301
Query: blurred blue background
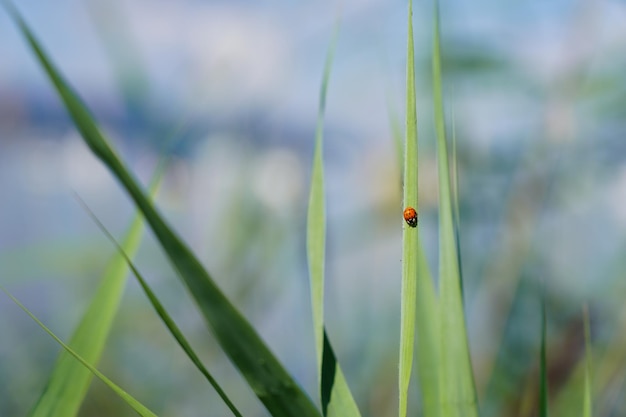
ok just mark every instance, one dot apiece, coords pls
pixel 538 96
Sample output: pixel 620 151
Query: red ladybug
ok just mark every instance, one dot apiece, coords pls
pixel 410 216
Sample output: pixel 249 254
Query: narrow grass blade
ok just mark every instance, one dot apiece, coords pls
pixel 335 395
pixel 167 319
pixel 69 380
pixel 457 390
pixel 603 365
pixel 136 405
pixel 428 337
pixel 543 374
pixel 272 384
pixel 583 385
pixel 410 235
pixel 587 398
pixel 316 219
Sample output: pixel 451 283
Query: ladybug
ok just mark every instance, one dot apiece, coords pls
pixel 410 216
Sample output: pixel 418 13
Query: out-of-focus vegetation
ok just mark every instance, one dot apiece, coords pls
pixel 538 97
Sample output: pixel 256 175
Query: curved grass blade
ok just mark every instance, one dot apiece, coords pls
pixel 272 384
pixel 335 394
pixel 543 374
pixel 457 390
pixel 136 405
pixel 410 235
pixel 167 319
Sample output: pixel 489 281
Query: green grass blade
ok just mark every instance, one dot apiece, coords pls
pixel 410 235
pixel 136 405
pixel 272 384
pixel 587 398
pixel 167 319
pixel 316 219
pixel 428 337
pixel 69 381
pixel 457 390
pixel 606 364
pixel 543 374
pixel 419 299
pixel 335 395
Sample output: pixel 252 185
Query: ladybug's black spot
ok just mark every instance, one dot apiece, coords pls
pixel 412 221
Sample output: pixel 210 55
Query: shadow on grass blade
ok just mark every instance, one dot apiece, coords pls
pixel 272 384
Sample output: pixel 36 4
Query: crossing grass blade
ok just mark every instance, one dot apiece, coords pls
pixel 272 384
pixel 410 235
pixel 335 395
pixel 69 381
pixel 457 390
pixel 136 405
pixel 163 314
